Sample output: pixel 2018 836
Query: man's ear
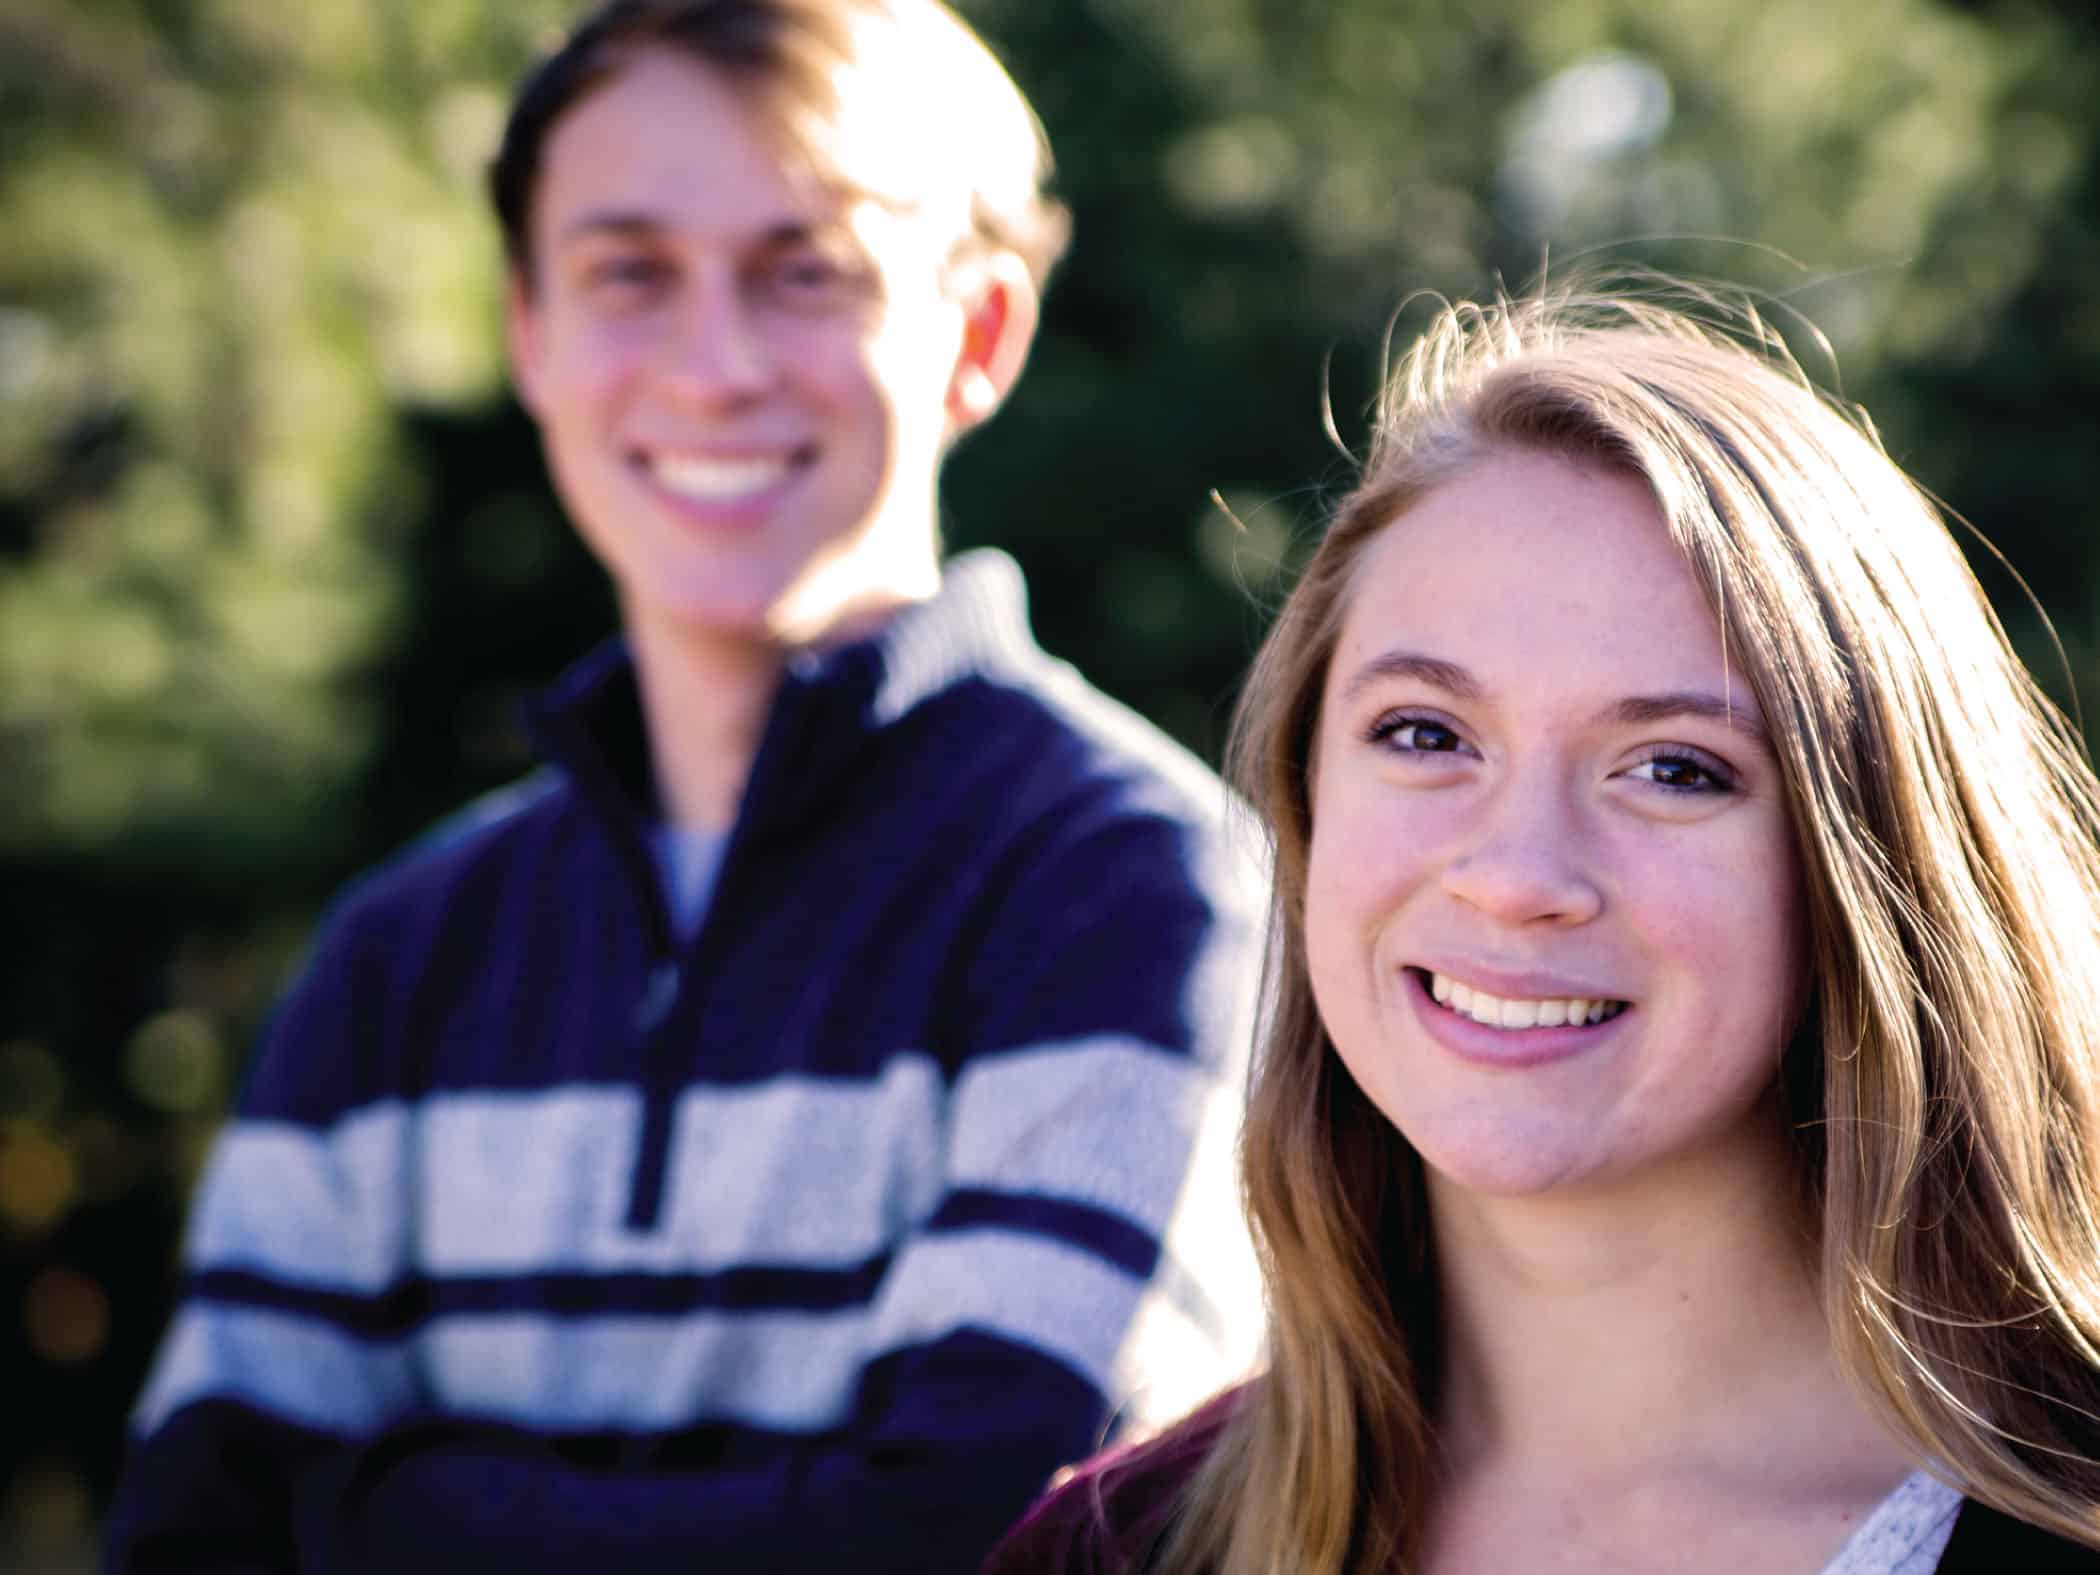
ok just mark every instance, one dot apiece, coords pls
pixel 521 334
pixel 999 317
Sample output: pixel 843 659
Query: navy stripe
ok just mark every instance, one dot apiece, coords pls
pixel 410 1303
pixel 1106 1235
pixel 645 1200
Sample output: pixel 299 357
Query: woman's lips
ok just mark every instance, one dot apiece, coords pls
pixel 1525 1030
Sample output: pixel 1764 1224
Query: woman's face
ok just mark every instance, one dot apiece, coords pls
pixel 1553 910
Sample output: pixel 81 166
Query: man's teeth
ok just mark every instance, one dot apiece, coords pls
pixel 717 480
pixel 1497 1012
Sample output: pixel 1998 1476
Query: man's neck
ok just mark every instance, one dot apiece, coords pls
pixel 704 703
pixel 705 698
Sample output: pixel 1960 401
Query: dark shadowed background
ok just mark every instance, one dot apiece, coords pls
pixel 277 555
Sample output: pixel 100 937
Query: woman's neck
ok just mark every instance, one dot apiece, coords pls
pixel 1672 1320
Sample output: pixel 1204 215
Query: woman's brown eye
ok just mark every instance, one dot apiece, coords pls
pixel 1681 773
pixel 1414 735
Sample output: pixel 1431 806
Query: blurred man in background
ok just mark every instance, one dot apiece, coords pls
pixel 786 1128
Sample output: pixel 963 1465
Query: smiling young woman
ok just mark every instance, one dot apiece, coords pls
pixel 1675 1138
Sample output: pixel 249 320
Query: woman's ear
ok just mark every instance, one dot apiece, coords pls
pixel 999 318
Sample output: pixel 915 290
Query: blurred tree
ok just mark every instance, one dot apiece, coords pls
pixel 241 236
pixel 1259 183
pixel 276 554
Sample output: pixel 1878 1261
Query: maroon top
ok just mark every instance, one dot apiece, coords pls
pixel 1112 1513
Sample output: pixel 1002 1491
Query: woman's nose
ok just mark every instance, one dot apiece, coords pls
pixel 1526 859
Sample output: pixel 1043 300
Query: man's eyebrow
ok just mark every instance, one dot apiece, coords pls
pixel 1453 679
pixel 610 221
pixel 1693 703
pixel 635 224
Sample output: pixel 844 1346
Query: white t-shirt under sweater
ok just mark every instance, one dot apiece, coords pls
pixel 1905 1535
pixel 688 862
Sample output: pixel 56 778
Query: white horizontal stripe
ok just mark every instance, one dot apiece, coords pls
pixel 798 1172
pixel 795 1372
pixel 792 1371
pixel 1136 1345
pixel 1108 1121
pixel 309 1209
pixel 291 1367
pixel 801 1172
pixel 1146 1134
pixel 533 1182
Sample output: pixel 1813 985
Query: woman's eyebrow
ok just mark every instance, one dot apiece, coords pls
pixel 1453 679
pixel 1460 684
pixel 1639 709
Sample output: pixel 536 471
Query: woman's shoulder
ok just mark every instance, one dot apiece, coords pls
pixel 1109 1514
pixel 1987 1542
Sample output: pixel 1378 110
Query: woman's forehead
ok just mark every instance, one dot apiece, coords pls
pixel 1532 569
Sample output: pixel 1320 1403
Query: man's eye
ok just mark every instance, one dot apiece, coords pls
pixel 816 278
pixel 808 273
pixel 626 272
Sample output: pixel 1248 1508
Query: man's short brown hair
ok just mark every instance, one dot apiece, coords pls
pixel 896 100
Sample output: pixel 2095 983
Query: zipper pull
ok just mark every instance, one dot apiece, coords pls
pixel 657 996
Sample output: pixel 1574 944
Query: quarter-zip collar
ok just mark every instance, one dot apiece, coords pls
pixel 829 703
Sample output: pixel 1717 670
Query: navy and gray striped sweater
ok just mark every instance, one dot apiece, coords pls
pixel 817 1240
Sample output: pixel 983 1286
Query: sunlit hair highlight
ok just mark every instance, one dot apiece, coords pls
pixel 1942 1089
pixel 898 101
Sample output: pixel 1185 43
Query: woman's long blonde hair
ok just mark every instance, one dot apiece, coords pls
pixel 1943 1089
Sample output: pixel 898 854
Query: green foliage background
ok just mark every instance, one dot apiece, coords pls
pixel 277 556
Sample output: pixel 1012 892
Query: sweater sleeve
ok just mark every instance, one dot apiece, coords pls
pixel 262 1369
pixel 1085 1260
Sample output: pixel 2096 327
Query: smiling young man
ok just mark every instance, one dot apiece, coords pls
pixel 784 1130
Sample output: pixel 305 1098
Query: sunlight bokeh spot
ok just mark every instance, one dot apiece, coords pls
pixel 37 1182
pixel 66 1317
pixel 175 1062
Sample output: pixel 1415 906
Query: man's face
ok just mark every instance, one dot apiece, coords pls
pixel 744 381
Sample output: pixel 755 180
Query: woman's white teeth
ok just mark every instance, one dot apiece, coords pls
pixel 1498 1012
pixel 714 480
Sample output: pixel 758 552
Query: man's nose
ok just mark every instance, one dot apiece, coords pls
pixel 717 350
